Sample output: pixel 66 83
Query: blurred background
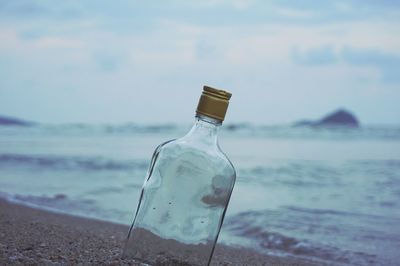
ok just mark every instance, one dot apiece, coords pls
pixel 89 88
pixel 98 61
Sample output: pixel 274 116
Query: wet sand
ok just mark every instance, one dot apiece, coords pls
pixel 30 236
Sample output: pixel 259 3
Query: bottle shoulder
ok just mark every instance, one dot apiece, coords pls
pixel 213 155
pixel 228 162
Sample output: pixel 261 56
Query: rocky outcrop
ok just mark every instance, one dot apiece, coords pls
pixel 341 117
pixel 9 121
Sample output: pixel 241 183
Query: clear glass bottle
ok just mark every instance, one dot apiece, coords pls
pixel 185 194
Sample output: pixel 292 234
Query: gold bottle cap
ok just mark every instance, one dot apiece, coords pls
pixel 213 103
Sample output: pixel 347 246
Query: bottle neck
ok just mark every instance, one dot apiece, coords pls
pixel 205 130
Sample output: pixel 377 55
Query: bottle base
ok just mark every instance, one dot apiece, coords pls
pixel 146 247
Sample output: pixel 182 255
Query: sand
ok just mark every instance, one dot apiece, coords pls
pixel 30 236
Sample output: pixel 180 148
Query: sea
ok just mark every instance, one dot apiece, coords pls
pixel 325 194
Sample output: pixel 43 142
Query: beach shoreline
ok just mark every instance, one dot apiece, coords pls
pixel 30 236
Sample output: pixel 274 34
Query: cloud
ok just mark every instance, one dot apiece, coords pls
pixel 108 61
pixel 205 50
pixel 22 8
pixel 236 4
pixel 387 63
pixel 33 9
pixel 338 10
pixel 316 56
pixel 58 42
pixel 210 12
pixel 369 57
pixel 291 13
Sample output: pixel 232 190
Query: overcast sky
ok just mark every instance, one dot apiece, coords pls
pixel 138 61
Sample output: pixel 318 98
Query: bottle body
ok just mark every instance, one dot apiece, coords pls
pixel 183 200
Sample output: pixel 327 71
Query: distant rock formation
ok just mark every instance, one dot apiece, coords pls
pixel 9 121
pixel 238 126
pixel 340 117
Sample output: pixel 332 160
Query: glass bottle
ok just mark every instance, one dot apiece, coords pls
pixel 185 194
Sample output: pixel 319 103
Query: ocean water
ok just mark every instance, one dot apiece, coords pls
pixel 329 195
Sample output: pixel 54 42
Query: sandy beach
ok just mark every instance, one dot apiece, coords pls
pixel 30 236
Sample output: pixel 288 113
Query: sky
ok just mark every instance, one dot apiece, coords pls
pixel 146 61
